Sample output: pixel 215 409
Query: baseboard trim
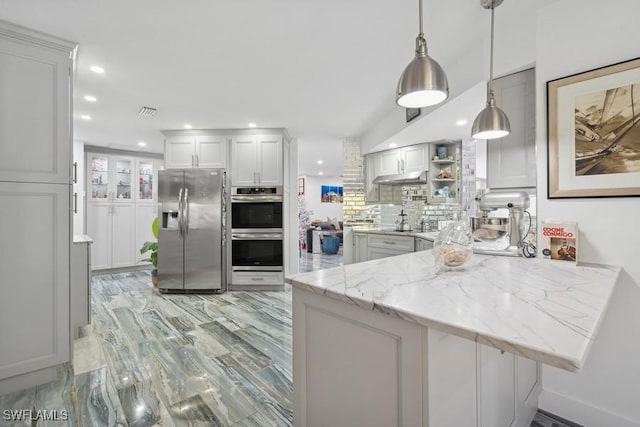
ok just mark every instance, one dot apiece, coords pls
pixel 581 412
pixel 28 380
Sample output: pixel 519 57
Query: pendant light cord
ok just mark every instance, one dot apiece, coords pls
pixel 491 53
pixel 420 16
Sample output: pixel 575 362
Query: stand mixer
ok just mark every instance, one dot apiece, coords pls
pixel 499 235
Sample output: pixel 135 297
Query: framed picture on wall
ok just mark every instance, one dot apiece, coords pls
pixel 594 133
pixel 331 194
pixel 300 186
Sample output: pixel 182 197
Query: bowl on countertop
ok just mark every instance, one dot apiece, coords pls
pixel 489 229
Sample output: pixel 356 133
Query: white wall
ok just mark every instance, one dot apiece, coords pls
pixel 320 210
pixel 575 36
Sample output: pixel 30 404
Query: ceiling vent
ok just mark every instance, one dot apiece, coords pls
pixel 147 112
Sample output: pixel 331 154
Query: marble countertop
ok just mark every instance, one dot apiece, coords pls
pixel 428 235
pixel 548 311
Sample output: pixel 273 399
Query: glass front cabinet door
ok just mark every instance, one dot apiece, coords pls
pixel 146 184
pixel 110 178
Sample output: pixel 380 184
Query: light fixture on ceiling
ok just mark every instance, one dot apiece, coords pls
pixel 142 144
pixel 85 117
pixel 319 173
pixel 97 69
pixel 423 82
pixel 461 122
pixel 188 126
pixel 90 98
pixel 252 125
pixel 392 145
pixel 492 122
pixel 319 162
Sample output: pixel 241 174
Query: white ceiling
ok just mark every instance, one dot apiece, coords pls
pixel 324 70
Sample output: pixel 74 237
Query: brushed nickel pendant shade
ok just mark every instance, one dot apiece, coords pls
pixel 492 122
pixel 423 82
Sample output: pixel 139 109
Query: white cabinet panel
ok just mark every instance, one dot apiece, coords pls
pixel 34 297
pixel 80 294
pixel 386 241
pixel 211 151
pixel 100 229
pixel 452 372
pixel 122 237
pixel 244 161
pixel 270 165
pixel 388 162
pixel 497 387
pixel 371 190
pixel 512 159
pixel 35 129
pixel 179 152
pixel 415 158
pixel 256 160
pixel 360 247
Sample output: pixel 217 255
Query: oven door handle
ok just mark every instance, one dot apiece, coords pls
pixel 256 236
pixel 246 199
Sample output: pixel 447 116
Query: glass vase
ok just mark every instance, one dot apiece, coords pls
pixel 454 245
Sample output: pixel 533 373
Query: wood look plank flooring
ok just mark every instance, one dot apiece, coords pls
pixel 151 359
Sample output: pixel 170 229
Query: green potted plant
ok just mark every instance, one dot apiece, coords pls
pixel 152 247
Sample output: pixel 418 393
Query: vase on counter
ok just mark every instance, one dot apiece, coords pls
pixel 453 247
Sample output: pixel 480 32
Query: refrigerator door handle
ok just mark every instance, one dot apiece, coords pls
pixel 180 213
pixel 186 207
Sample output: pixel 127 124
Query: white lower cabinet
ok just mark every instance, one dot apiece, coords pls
pixel 370 246
pixel 35 271
pixel 423 244
pixel 398 373
pixel 112 228
pixel 80 294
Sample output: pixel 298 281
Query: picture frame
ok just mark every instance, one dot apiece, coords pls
pixel 593 133
pixel 300 186
pixel 411 113
pixel 331 194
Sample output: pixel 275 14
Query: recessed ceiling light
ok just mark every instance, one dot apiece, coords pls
pixel 188 126
pixel 90 98
pixel 97 69
pixel 252 125
pixel 319 162
pixel 85 117
pixel 319 173
pixel 461 122
pixel 393 145
pixel 142 144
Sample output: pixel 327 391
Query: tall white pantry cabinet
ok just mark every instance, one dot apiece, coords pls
pixel 35 205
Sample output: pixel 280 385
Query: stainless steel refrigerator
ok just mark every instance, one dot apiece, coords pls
pixel 192 233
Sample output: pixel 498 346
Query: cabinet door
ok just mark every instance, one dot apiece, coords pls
pixel 35 127
pixel 244 161
pixel 99 228
pixel 211 152
pixel 98 177
pixel 388 162
pixel 371 190
pixel 497 387
pixel 146 182
pixel 360 243
pixel 179 152
pixel 123 236
pixel 270 167
pixel 34 296
pixel 415 158
pixel 512 159
pixel 122 173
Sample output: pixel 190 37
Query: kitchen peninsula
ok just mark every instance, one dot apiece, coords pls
pixel 394 342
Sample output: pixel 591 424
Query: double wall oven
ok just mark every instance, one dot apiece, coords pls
pixel 257 236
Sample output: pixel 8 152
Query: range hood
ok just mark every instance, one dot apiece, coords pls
pixel 417 177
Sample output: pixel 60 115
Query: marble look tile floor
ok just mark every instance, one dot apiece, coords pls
pixel 309 261
pixel 176 360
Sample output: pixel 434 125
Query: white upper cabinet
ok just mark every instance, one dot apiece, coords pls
pixel 511 161
pixel 200 151
pixel 35 127
pixel 403 160
pixel 256 160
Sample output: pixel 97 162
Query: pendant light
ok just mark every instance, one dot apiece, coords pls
pixel 492 122
pixel 423 82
